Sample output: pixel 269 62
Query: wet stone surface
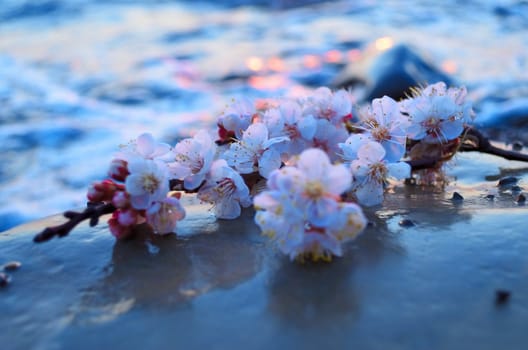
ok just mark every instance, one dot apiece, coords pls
pixel 458 280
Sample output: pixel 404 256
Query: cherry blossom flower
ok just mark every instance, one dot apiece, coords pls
pixel 301 239
pixel 384 123
pixel 322 184
pixel 332 106
pixel 351 146
pixel 255 151
pixel 328 137
pixel 236 118
pixel 437 115
pixel 145 146
pixel 288 120
pixel 226 189
pixel 193 158
pixel 122 221
pixel 321 243
pixel 147 183
pixel 164 215
pixel 302 210
pixel 371 171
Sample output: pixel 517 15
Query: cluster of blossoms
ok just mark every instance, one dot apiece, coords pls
pixel 306 165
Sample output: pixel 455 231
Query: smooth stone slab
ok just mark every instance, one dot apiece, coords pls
pixel 220 285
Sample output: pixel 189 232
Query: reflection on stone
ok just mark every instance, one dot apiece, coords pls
pixel 151 271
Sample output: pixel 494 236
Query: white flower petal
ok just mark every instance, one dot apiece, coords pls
pixel 146 144
pixel 227 209
pixel 134 184
pixel 269 161
pixel 338 179
pixel 255 135
pixel 394 150
pixel 371 152
pixel 370 193
pixel 399 171
pixel 192 182
pixel 307 127
pixel 314 163
pixel 141 201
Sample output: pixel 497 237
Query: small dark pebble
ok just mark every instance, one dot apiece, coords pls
pixel 521 199
pixel 517 146
pixel 410 181
pixel 406 223
pixel 502 296
pixel 457 197
pixel 490 197
pixel 371 224
pixel 4 279
pixel 12 266
pixel 507 181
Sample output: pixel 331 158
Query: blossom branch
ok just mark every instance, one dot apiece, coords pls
pixel 476 141
pixel 93 212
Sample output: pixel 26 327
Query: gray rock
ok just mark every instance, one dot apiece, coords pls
pixel 393 73
pixel 219 284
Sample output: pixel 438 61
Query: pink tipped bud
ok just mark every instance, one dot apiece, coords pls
pixel 94 195
pixel 127 217
pixel 118 170
pixel 119 231
pixel 163 216
pixel 121 199
pixel 103 191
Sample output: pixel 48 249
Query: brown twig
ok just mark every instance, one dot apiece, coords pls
pixel 476 141
pixel 424 163
pixel 93 212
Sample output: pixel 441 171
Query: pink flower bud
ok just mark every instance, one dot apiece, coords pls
pixel 121 199
pixel 119 231
pixel 127 217
pixel 94 195
pixel 164 215
pixel 118 170
pixel 103 191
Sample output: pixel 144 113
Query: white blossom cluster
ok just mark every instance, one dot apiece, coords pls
pixel 319 161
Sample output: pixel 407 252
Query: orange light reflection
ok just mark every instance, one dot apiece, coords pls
pixel 333 56
pixel 311 61
pixel 270 82
pixel 276 64
pixel 254 63
pixel 449 66
pixel 384 43
pixel 354 55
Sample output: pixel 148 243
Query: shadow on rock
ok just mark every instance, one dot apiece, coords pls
pixel 323 295
pixel 166 271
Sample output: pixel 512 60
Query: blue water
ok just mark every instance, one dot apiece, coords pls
pixel 80 77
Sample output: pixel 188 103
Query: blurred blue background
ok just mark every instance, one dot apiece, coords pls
pixel 80 77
